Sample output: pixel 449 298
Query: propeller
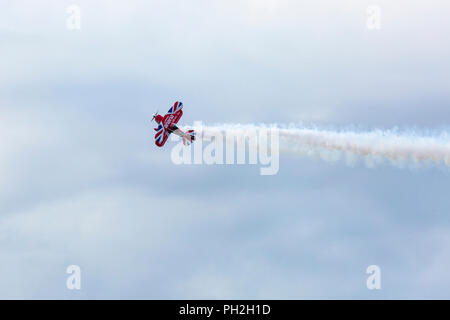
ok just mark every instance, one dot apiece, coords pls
pixel 154 116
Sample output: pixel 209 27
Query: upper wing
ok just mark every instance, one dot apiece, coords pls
pixel 176 106
pixel 173 115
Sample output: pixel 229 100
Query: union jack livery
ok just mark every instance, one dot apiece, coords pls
pixel 167 125
pixel 176 106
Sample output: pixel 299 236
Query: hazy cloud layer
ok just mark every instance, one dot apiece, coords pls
pixel 82 182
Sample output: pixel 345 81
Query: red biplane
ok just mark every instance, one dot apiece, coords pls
pixel 167 125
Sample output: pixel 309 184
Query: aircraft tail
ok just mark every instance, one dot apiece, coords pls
pixel 189 137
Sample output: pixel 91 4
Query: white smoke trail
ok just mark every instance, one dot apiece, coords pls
pixel 377 146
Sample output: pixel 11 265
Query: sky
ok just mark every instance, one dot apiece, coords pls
pixel 83 183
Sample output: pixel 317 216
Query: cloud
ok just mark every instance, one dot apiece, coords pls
pixel 82 182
